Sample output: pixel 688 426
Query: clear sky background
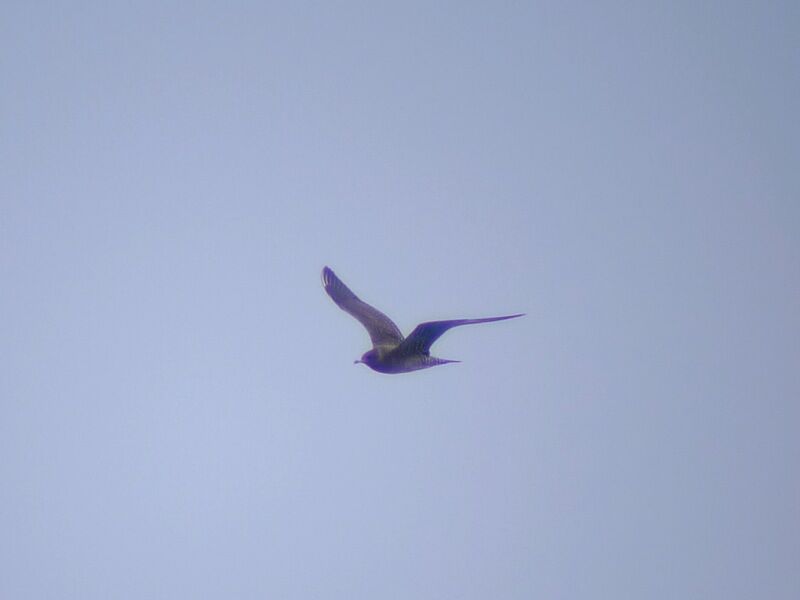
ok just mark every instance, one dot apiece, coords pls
pixel 179 412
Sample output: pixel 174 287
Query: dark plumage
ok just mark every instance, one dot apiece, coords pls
pixel 391 353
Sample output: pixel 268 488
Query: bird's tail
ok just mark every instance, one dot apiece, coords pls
pixel 432 361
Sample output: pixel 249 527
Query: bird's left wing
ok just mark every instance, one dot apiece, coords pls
pixel 424 334
pixel 382 331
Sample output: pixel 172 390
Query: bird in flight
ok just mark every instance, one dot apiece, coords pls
pixel 391 352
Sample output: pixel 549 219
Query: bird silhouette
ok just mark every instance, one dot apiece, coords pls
pixel 391 352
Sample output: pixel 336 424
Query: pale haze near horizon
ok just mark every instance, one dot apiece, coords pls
pixel 179 412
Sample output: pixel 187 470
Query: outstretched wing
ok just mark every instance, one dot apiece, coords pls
pixel 382 331
pixel 424 334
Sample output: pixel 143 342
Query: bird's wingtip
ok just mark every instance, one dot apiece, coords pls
pixel 512 316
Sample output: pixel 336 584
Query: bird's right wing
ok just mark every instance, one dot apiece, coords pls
pixel 382 331
pixel 424 334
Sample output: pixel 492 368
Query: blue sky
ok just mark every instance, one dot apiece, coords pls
pixel 179 412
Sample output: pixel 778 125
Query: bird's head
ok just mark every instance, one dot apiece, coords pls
pixel 369 358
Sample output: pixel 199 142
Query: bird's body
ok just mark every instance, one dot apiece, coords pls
pixel 392 353
pixel 395 360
